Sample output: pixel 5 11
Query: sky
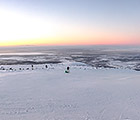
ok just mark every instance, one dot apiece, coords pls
pixel 69 22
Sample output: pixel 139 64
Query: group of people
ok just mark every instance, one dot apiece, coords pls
pixel 32 68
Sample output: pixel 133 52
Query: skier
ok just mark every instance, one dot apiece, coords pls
pixel 46 66
pixel 32 67
pixel 68 70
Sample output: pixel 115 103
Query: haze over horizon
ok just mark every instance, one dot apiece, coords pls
pixel 69 22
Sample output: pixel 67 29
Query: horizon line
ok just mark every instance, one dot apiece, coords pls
pixel 58 45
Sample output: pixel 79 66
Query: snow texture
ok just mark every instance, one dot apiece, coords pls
pixel 83 94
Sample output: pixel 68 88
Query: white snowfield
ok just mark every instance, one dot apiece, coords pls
pixel 83 94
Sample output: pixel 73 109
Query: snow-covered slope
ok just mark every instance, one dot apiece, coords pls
pixel 83 94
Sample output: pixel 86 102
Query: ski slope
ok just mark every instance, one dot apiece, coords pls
pixel 83 94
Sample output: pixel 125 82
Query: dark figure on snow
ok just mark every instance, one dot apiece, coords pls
pixel 68 70
pixel 10 68
pixel 46 66
pixel 32 67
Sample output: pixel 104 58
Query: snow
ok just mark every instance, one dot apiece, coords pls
pixel 83 94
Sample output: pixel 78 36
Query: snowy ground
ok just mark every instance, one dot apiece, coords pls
pixel 83 94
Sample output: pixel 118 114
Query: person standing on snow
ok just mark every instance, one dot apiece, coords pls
pixel 68 70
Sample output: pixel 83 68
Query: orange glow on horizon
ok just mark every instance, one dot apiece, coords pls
pixel 70 41
pixel 83 39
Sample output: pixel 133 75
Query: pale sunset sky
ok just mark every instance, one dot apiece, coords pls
pixel 69 22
